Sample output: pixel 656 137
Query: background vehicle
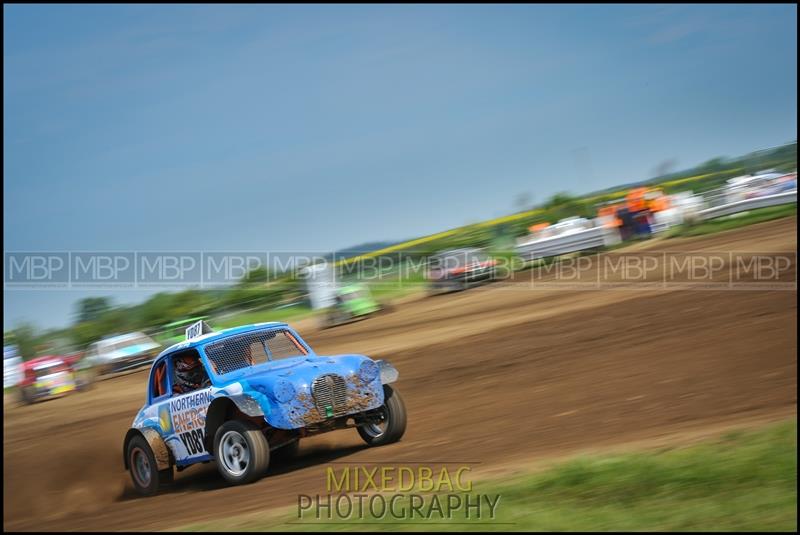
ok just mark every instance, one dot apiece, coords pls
pixel 122 352
pixel 12 366
pixel 338 302
pixel 260 389
pixel 457 269
pixel 353 301
pixel 46 377
pixel 81 368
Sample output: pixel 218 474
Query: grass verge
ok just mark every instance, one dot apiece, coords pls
pixel 741 481
pixel 741 219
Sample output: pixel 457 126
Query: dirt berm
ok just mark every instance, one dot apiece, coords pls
pixel 499 375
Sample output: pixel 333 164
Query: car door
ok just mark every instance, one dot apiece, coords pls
pixel 185 416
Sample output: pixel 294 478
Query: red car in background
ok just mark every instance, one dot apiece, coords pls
pixel 52 376
pixel 457 269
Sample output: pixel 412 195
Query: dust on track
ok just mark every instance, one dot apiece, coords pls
pixel 499 375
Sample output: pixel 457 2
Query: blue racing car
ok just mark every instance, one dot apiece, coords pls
pixel 247 395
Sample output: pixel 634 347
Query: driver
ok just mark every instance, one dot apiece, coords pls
pixel 189 375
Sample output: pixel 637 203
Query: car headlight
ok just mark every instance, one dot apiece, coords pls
pixel 368 371
pixel 283 391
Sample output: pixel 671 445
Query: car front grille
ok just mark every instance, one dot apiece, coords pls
pixel 330 395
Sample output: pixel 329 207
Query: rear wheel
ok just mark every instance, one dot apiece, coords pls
pixel 84 379
pixel 341 316
pixel 389 420
pixel 146 476
pixel 241 451
pixel 438 287
pixel 26 395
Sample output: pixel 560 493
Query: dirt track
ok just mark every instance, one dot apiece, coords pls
pixel 497 375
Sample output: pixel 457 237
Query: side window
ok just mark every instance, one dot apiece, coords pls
pixel 188 373
pixel 160 380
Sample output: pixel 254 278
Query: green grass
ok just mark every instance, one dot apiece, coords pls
pixel 758 215
pixel 245 318
pixel 742 481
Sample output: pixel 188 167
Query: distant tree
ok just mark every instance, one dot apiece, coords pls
pixel 713 165
pixel 257 275
pixel 664 168
pixel 24 336
pixel 559 199
pixel 92 308
pixel 522 201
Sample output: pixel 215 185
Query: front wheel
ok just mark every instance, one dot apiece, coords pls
pixel 241 451
pixel 390 420
pixel 146 476
pixel 84 379
pixel 26 396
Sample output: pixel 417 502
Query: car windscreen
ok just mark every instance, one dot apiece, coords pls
pixel 131 342
pixel 350 295
pixel 251 349
pixel 49 368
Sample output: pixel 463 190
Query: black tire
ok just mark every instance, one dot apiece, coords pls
pixel 104 370
pixel 25 396
pixel 285 453
pixel 325 321
pixel 84 380
pixel 147 478
pixel 241 451
pixel 455 285
pixel 438 288
pixel 336 317
pixel 394 420
pixel 341 317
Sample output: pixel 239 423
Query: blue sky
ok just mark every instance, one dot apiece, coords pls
pixel 319 127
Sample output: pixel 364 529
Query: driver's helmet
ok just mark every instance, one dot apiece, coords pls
pixel 189 370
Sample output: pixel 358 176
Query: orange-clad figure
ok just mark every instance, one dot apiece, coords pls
pixel 660 202
pixel 608 215
pixel 637 206
pixel 636 200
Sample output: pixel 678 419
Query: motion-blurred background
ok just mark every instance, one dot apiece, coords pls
pixel 416 183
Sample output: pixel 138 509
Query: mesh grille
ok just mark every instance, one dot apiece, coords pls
pixel 241 351
pixel 330 390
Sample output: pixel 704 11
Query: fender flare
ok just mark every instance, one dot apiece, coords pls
pixel 160 450
pixel 388 373
pixel 219 410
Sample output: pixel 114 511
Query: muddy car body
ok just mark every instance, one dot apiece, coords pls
pixel 264 389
